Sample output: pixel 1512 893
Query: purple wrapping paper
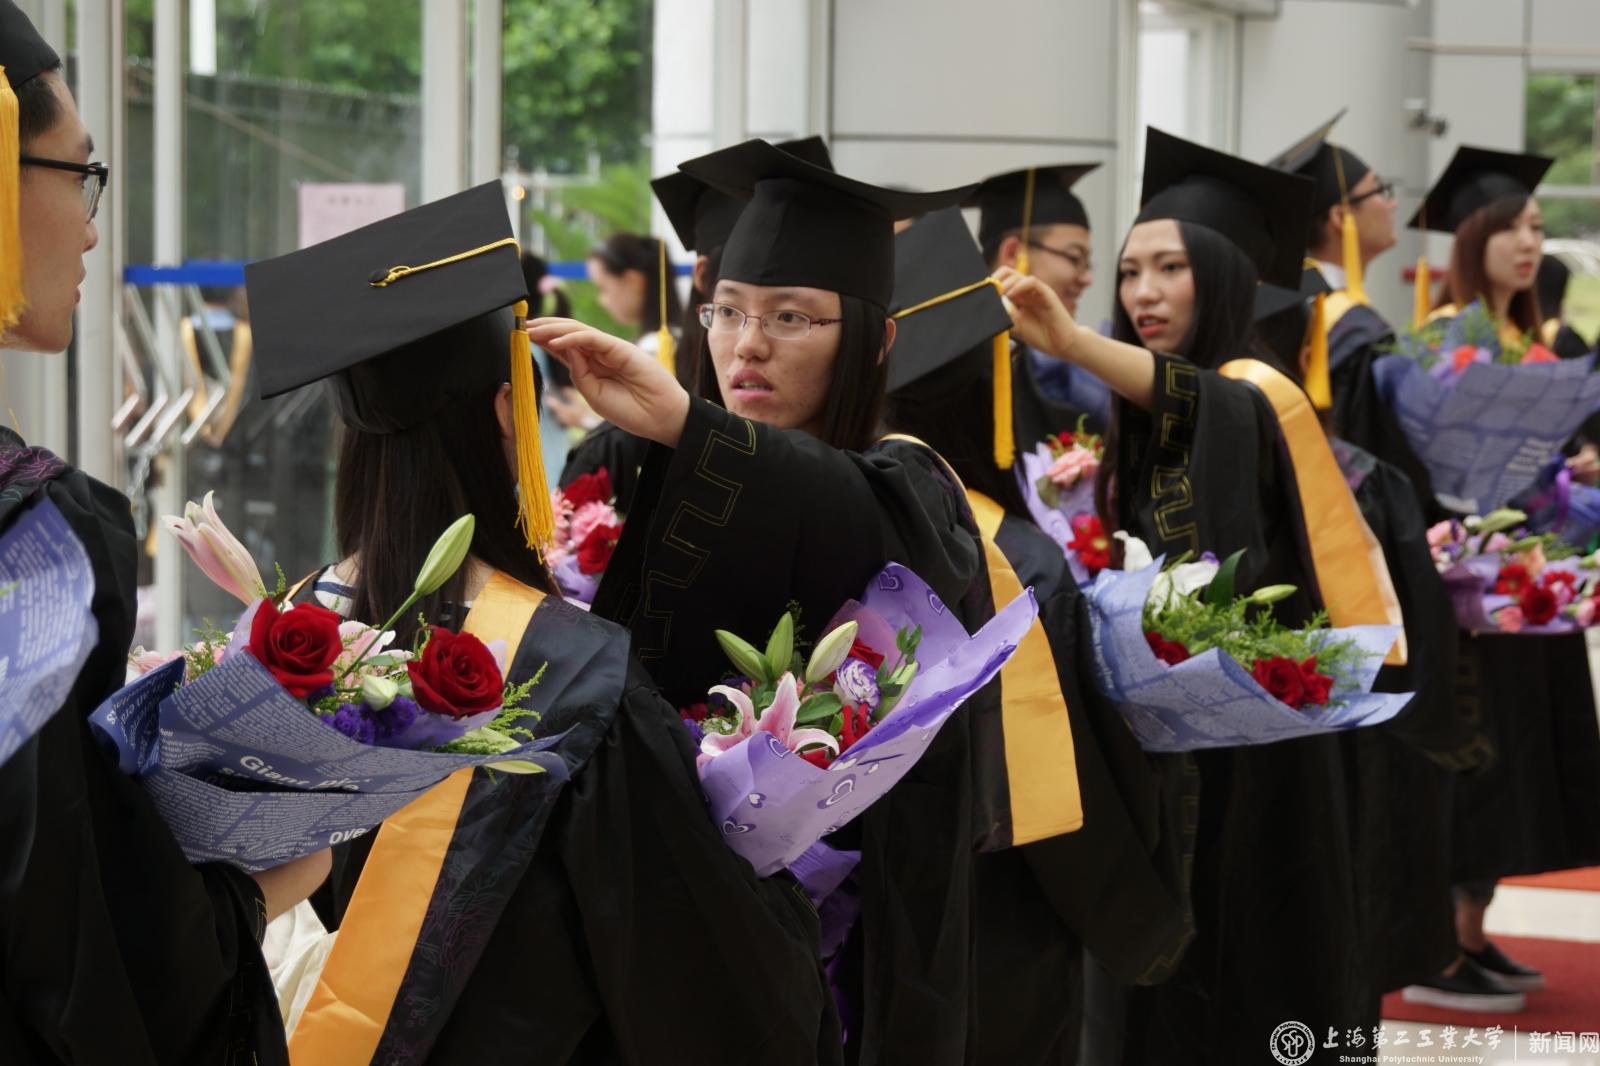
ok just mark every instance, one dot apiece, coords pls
pixel 1471 584
pixel 1056 521
pixel 574 584
pixel 772 806
pixel 1485 435
pixel 1211 701
pixel 244 773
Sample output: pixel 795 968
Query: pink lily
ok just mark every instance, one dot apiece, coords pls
pixel 217 552
pixel 777 719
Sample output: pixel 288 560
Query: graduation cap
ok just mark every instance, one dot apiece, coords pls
pixel 24 55
pixel 1476 178
pixel 945 305
pixel 1274 300
pixel 701 216
pixel 1265 213
pixel 405 316
pixel 1022 199
pixel 806 225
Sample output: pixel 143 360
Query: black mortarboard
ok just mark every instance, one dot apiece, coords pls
pixel 1313 157
pixel 399 351
pixel 1003 203
pixel 1265 213
pixel 937 258
pixel 1476 178
pixel 1275 299
pixel 806 225
pixel 701 216
pixel 23 53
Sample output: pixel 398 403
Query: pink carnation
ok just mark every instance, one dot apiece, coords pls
pixel 1510 619
pixel 1584 613
pixel 1072 466
pixel 588 518
pixel 1441 534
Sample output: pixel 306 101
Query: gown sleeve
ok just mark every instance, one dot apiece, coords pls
pixel 742 519
pixel 114 948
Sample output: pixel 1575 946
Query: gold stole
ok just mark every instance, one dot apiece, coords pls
pixel 1338 305
pixel 1346 559
pixel 1041 766
pixel 349 1010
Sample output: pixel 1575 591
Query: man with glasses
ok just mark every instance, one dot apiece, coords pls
pixel 1032 221
pixel 113 947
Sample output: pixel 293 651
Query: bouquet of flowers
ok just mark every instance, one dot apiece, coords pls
pixel 586 533
pixel 1502 579
pixel 299 730
pixel 1057 480
pixel 1482 415
pixel 1191 665
pixel 796 746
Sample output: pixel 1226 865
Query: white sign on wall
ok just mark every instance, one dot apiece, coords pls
pixel 332 209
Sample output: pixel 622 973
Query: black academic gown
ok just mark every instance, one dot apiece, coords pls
pixel 1036 415
pixel 605 447
pixel 1402 773
pixel 1116 887
pixel 603 919
pixel 115 949
pixel 726 531
pixel 1277 931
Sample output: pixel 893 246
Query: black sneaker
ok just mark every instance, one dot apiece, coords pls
pixel 1511 973
pixel 1471 989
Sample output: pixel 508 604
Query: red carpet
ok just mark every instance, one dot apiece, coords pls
pixel 1587 880
pixel 1569 1003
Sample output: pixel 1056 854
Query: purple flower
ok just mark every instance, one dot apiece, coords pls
pixel 363 725
pixel 697 732
pixel 856 682
pixel 352 720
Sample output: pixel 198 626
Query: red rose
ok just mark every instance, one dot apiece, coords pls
pixel 1563 584
pixel 861 651
pixel 695 712
pixel 1282 679
pixel 1168 651
pixel 298 646
pixel 1090 542
pixel 1317 685
pixel 456 675
pixel 856 722
pixel 590 488
pixel 818 757
pixel 594 554
pixel 1512 579
pixel 1538 605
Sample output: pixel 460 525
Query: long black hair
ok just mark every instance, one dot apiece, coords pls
pixel 622 252
pixel 1221 328
pixel 395 493
pixel 854 401
pixel 940 409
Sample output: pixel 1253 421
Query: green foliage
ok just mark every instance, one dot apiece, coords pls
pixel 202 655
pixel 1560 122
pixel 1249 633
pixel 618 203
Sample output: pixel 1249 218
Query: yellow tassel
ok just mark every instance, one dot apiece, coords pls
pixel 1421 294
pixel 11 294
pixel 1005 441
pixel 1316 363
pixel 665 351
pixel 1353 283
pixel 534 516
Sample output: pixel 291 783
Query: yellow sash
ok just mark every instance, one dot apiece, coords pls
pixel 349 1010
pixel 1346 559
pixel 1338 305
pixel 1041 767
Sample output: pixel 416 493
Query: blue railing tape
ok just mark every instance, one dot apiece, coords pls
pixel 231 273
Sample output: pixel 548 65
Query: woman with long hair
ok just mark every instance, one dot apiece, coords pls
pixel 1213 450
pixel 773 498
pixel 608 880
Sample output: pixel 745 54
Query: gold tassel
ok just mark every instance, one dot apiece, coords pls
pixel 665 351
pixel 1005 440
pixel 1421 294
pixel 1027 221
pixel 1353 283
pixel 1316 361
pixel 534 516
pixel 11 294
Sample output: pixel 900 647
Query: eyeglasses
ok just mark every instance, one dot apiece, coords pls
pixel 1078 260
pixel 95 176
pixel 779 325
pixel 1385 189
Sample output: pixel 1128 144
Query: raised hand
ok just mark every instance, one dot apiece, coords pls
pixel 1038 317
pixel 622 384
